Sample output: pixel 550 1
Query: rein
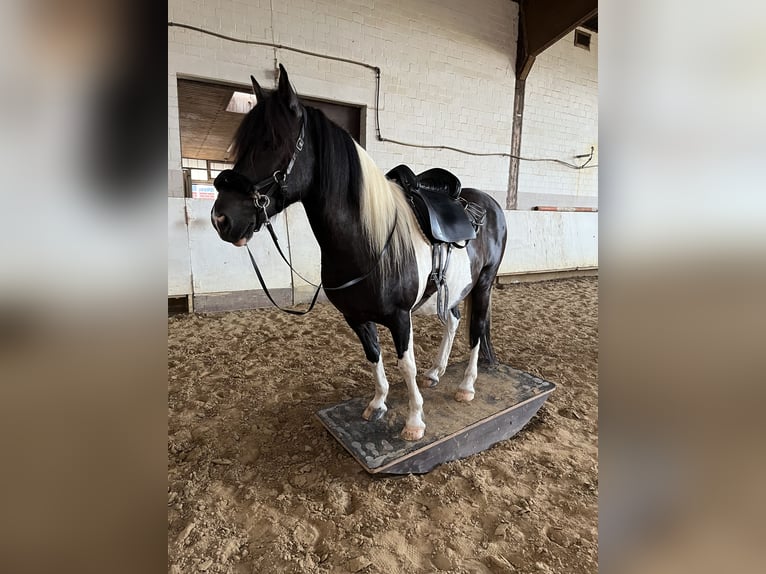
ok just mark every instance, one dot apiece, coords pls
pixel 262 201
pixel 347 284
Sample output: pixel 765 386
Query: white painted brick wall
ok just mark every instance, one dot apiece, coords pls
pixel 560 121
pixel 447 78
pixel 447 71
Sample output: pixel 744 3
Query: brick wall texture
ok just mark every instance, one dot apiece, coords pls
pixel 446 79
pixel 560 121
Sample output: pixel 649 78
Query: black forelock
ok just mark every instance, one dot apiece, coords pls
pixel 265 127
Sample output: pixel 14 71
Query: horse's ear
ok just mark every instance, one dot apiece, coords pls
pixel 285 90
pixel 257 91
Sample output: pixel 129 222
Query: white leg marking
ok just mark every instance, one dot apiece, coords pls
pixel 431 377
pixel 465 390
pixel 414 428
pixel 377 407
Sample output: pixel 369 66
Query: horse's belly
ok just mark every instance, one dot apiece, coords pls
pixel 458 280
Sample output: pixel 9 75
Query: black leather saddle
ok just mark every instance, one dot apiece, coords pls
pixel 435 199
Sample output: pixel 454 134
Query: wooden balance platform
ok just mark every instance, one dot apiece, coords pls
pixel 506 399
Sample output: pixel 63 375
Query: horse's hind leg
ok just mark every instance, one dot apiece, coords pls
pixel 479 303
pixel 465 391
pixel 401 331
pixel 368 335
pixel 431 376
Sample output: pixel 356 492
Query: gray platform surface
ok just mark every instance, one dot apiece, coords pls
pixel 505 401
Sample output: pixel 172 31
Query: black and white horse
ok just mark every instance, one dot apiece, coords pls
pixel 287 152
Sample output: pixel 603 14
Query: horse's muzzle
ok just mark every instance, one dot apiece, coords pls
pixel 226 229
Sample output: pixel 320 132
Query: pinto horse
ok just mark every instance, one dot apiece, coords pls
pixel 376 261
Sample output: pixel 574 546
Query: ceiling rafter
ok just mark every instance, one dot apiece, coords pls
pixel 542 23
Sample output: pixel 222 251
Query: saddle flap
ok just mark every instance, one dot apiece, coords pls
pixel 447 219
pixel 434 198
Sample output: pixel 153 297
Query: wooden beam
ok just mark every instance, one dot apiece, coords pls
pixel 547 21
pixel 518 115
pixel 567 209
pixel 536 276
pixel 542 23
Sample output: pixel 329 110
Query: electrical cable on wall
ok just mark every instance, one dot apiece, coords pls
pixel 376 69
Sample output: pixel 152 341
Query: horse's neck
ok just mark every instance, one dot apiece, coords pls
pixel 331 227
pixel 337 226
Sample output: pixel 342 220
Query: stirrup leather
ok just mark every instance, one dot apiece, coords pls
pixel 440 255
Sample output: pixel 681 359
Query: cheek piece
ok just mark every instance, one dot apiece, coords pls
pixel 231 180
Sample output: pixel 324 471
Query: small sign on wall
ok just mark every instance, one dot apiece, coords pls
pixel 204 191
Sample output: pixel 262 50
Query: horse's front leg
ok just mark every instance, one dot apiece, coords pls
pixel 368 335
pixel 432 375
pixel 401 331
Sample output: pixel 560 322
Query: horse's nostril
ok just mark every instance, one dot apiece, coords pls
pixel 222 222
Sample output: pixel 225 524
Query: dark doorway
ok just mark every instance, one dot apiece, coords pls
pixel 207 127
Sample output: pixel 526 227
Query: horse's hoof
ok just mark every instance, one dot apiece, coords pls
pixel 428 381
pixel 370 414
pixel 413 433
pixel 462 396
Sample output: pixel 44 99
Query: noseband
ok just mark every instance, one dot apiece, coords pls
pixel 230 179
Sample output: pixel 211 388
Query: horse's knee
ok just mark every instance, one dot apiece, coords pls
pixel 407 366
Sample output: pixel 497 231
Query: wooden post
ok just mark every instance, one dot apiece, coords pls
pixel 518 115
pixel 541 24
pixel 524 61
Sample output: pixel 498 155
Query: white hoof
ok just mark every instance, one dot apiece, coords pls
pixel 413 433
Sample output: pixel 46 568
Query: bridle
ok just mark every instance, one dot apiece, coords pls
pixel 239 182
pixel 262 201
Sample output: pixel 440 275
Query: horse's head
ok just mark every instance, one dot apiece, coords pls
pixel 272 167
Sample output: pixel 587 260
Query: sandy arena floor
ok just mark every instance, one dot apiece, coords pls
pixel 256 485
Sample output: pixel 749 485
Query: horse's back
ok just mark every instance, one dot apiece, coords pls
pixel 482 198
